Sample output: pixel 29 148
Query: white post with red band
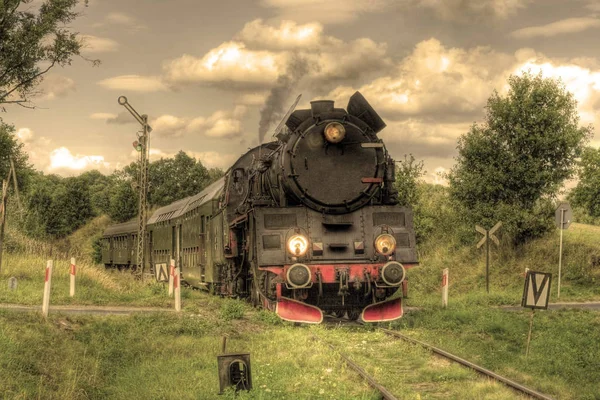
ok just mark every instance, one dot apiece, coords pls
pixel 445 288
pixel 47 282
pixel 177 284
pixel 72 272
pixel 171 277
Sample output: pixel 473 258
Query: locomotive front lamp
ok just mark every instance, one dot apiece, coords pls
pixel 385 244
pixel 297 245
pixel 335 132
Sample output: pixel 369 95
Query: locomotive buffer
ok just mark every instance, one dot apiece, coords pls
pixel 143 146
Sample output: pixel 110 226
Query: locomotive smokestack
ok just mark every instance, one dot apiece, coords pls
pixel 321 106
pixel 273 108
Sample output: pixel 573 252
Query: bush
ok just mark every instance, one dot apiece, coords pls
pixel 232 309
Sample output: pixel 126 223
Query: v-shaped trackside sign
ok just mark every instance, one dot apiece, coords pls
pixel 160 271
pixel 536 293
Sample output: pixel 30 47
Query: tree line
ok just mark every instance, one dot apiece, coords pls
pixel 55 206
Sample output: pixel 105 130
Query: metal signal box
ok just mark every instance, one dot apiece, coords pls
pixel 234 370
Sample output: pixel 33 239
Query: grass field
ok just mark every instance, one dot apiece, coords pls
pixel 168 355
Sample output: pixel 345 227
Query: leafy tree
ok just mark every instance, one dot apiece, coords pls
pixel 408 173
pixel 511 165
pixel 587 192
pixel 175 178
pixel 99 188
pixel 10 147
pixel 123 202
pixel 32 42
pixel 76 204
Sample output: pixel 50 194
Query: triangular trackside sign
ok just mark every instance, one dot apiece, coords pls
pixel 536 293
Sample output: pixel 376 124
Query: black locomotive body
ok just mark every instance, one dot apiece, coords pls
pixel 303 225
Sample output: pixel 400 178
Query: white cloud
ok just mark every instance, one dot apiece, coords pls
pixel 25 135
pixel 95 44
pixel 437 82
pixel 262 53
pixel 583 82
pixel 61 159
pixel 121 19
pixel 135 83
pixel 437 177
pixel 221 124
pixel 229 64
pixel 436 93
pixel 569 25
pixel 288 36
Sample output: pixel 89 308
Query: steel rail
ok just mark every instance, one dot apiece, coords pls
pixel 372 382
pixel 484 371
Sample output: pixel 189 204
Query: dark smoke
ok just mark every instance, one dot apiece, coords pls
pixel 273 109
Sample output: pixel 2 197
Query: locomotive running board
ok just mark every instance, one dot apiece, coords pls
pixel 384 311
pixel 296 311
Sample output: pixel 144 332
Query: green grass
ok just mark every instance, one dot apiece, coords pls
pixel 580 276
pixel 94 285
pixel 162 356
pixel 564 352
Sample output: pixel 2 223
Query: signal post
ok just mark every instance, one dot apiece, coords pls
pixel 142 145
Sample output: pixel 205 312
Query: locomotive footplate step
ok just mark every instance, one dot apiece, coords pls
pixel 296 311
pixel 384 311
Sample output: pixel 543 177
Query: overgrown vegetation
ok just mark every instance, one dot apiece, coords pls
pixel 510 167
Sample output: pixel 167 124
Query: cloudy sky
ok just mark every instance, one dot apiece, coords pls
pixel 202 71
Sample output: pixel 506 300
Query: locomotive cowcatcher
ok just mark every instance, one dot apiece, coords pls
pixel 304 225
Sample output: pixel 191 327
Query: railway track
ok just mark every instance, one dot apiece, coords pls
pixel 386 393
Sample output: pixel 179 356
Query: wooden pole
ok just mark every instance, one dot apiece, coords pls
pixel 529 335
pixel 487 261
pixel 47 283
pixel 72 272
pixel 3 218
pixel 562 221
pixel 171 276
pixel 445 288
pixel 177 284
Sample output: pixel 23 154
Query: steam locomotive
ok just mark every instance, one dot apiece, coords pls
pixel 304 225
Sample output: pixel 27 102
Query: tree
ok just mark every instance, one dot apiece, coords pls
pixel 408 173
pixel 32 43
pixel 510 166
pixel 11 148
pixel 587 192
pixel 123 202
pixel 172 179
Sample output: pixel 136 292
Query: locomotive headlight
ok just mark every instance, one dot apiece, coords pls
pixel 385 244
pixel 335 132
pixel 297 245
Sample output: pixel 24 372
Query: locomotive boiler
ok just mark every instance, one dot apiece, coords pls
pixel 304 225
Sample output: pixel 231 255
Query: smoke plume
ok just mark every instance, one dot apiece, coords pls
pixel 273 109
